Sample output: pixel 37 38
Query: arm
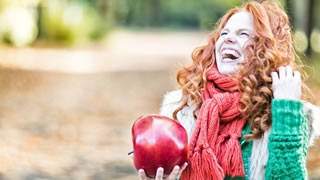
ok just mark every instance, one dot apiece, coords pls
pixel 287 141
pixel 289 135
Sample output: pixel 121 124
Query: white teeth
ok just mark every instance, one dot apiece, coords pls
pixel 232 52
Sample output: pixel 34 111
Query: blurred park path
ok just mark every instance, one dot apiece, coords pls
pixel 121 51
pixel 67 113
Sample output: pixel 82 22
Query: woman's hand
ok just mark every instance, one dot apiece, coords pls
pixel 175 173
pixel 286 84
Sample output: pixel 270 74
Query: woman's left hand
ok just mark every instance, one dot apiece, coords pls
pixel 286 84
pixel 175 173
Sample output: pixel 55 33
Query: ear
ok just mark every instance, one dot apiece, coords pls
pixel 313 114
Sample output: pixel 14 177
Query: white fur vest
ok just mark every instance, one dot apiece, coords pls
pixel 259 155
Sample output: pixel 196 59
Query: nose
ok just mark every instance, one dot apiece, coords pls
pixel 230 38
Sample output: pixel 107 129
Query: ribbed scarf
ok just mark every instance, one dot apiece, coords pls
pixel 215 150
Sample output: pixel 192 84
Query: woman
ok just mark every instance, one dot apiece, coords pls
pixel 240 101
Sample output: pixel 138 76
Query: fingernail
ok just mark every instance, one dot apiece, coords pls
pixel 160 169
pixel 186 164
pixel 140 170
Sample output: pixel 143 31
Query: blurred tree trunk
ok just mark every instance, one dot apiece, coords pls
pixel 155 5
pixel 309 25
pixel 290 10
pixel 39 11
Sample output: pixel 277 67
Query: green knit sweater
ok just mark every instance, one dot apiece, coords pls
pixel 287 142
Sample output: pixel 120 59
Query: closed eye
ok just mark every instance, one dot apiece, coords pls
pixel 223 33
pixel 244 34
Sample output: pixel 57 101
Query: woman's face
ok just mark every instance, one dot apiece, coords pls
pixel 234 37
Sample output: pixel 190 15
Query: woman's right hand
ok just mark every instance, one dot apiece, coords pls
pixel 286 84
pixel 175 173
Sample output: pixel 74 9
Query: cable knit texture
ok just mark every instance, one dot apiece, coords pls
pixel 288 141
pixel 214 147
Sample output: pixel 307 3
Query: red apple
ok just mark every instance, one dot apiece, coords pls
pixel 159 141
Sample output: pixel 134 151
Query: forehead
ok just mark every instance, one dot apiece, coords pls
pixel 240 20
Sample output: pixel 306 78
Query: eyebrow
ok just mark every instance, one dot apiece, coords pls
pixel 241 29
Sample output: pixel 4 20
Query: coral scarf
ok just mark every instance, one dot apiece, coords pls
pixel 214 147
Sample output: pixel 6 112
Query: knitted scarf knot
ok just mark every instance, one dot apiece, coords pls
pixel 215 150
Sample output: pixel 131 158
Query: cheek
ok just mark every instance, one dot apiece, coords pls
pixel 218 46
pixel 219 43
pixel 245 42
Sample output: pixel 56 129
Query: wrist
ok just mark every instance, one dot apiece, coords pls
pixel 287 116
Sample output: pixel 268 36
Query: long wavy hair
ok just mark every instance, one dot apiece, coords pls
pixel 272 47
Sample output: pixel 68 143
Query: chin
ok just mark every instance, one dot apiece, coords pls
pixel 227 69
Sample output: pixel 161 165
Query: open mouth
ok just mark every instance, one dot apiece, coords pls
pixel 230 55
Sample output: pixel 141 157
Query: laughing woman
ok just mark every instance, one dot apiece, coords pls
pixel 241 101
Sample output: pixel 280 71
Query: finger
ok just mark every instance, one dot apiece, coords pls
pixel 182 168
pixel 297 75
pixel 142 175
pixel 275 77
pixel 131 156
pixel 174 173
pixel 159 175
pixel 282 72
pixel 289 71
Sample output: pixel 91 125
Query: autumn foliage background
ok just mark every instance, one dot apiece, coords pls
pixel 75 74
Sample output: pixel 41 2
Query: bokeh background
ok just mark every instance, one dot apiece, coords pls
pixel 75 74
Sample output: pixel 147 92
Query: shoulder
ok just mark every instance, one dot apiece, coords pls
pixel 172 97
pixel 172 101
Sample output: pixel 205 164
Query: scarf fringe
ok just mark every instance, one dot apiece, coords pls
pixel 197 166
pixel 187 172
pixel 210 163
pixel 204 165
pixel 194 168
pixel 232 160
pixel 218 149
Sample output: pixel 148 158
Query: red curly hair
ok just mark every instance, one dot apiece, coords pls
pixel 272 47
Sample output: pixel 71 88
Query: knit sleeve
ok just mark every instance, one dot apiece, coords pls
pixel 287 141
